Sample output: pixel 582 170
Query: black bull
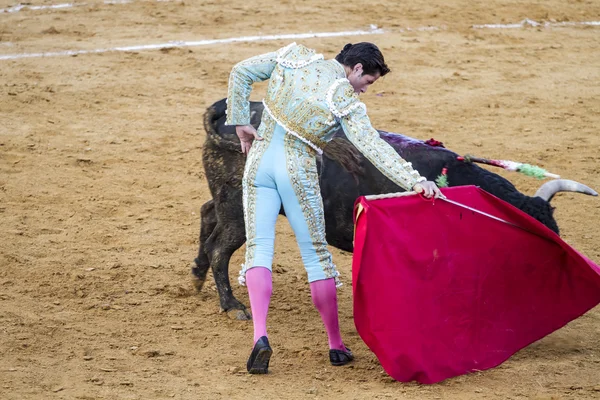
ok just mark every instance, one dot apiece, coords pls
pixel 344 175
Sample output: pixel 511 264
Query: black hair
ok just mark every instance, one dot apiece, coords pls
pixel 366 54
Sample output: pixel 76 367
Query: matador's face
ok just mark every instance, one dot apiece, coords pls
pixel 360 81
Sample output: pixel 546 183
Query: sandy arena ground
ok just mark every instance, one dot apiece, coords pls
pixel 101 184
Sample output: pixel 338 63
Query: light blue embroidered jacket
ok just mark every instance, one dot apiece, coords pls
pixel 309 97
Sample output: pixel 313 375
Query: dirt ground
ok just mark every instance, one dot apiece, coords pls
pixel 101 183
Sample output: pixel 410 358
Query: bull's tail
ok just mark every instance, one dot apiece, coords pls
pixel 212 115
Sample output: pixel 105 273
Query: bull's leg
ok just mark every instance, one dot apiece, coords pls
pixel 225 239
pixel 208 222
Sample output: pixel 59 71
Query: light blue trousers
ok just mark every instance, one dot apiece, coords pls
pixel 281 170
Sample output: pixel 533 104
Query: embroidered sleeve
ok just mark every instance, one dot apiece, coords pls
pixel 243 75
pixel 352 114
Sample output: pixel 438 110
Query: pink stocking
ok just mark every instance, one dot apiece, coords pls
pixel 260 287
pixel 325 300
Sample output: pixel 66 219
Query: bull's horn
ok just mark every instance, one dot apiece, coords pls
pixel 549 189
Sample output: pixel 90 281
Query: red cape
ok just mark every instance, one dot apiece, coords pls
pixel 440 290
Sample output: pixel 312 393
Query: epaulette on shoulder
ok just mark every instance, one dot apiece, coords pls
pixel 342 100
pixel 297 56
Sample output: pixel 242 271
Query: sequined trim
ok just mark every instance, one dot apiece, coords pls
pixel 242 275
pixel 332 107
pixel 302 170
pixel 414 171
pixel 282 60
pixel 332 272
pixel 257 150
pixel 314 142
pixel 283 51
pixel 298 64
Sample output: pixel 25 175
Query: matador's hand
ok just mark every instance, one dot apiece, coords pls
pixel 428 188
pixel 247 134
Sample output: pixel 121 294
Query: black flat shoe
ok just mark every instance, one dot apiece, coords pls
pixel 340 357
pixel 258 363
